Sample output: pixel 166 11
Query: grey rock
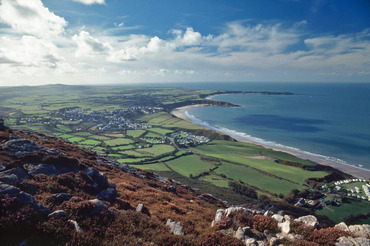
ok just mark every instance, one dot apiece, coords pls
pixel 98 206
pixel 9 189
pixel 343 241
pixel 29 187
pixel 75 225
pixel 284 227
pixel 141 208
pixel 278 217
pixel 2 167
pixel 19 171
pixel 250 242
pixel 239 234
pixel 46 169
pixel 109 195
pixel 360 230
pixel 21 146
pixel 361 241
pixel 274 241
pixel 260 243
pixel 219 214
pixel 100 179
pixel 58 214
pixel 175 227
pixel 308 220
pixel 342 226
pixel 61 197
pixel 10 179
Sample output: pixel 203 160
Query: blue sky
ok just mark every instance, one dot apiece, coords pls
pixel 134 41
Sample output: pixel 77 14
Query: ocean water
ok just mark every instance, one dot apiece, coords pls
pixel 328 121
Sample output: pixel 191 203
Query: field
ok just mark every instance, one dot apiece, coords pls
pixel 338 214
pixel 118 121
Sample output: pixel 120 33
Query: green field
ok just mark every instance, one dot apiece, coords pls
pixel 118 141
pixel 160 131
pixel 255 178
pixel 135 133
pixel 338 214
pixel 190 164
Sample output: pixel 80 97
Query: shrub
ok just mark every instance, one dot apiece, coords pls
pixel 218 239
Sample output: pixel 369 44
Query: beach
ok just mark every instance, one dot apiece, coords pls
pixel 355 171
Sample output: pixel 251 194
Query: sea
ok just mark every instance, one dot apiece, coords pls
pixel 326 121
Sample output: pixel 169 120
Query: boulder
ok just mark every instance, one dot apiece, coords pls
pixel 2 167
pixel 239 234
pixel 28 187
pixel 61 197
pixel 46 169
pixel 58 214
pixel 175 227
pixel 75 225
pixel 108 195
pixel 11 179
pixel 342 226
pixel 274 241
pixel 98 206
pixel 278 217
pixel 141 208
pixel 100 179
pixel 308 220
pixel 284 227
pixel 250 242
pixel 349 241
pixel 260 243
pixel 219 214
pixel 19 171
pixel 360 230
pixel 21 146
pixel 344 241
pixel 9 189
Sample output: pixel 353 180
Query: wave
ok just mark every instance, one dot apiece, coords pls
pixel 240 136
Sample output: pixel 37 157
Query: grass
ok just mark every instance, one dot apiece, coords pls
pixel 338 214
pixel 153 167
pixel 216 180
pixel 64 128
pixel 90 142
pixel 157 150
pixel 256 178
pixel 76 139
pixel 153 135
pixel 124 147
pixel 160 131
pixel 190 164
pixel 118 141
pixel 135 133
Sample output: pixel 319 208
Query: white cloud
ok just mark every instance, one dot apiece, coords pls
pixel 31 17
pixel 89 2
pixel 88 45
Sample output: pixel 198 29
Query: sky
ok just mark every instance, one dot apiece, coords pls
pixel 143 41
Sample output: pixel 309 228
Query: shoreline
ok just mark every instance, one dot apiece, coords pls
pixel 346 168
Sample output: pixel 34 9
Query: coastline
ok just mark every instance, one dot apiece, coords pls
pixel 346 168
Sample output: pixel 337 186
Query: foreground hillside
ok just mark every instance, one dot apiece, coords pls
pixel 55 193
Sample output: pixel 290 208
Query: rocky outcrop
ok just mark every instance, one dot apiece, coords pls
pixel 21 146
pixel 350 241
pixel 308 220
pixel 175 227
pixel 98 206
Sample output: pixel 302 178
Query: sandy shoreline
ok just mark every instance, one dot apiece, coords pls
pixel 355 171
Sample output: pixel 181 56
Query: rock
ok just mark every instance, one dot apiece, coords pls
pixel 172 189
pixel 268 213
pixel 175 227
pixel 46 169
pixel 28 187
pixel 239 234
pixel 100 179
pixel 361 241
pixel 342 226
pixel 360 230
pixel 250 242
pixel 284 227
pixel 10 179
pixel 19 171
pixel 287 217
pixel 141 208
pixel 58 214
pixel 293 237
pixel 76 226
pixel 9 189
pixel 224 222
pixel 61 197
pixel 21 146
pixel 274 241
pixel 308 220
pixel 260 243
pixel 108 195
pixel 231 210
pixel 278 218
pixel 343 241
pixel 2 167
pixel 98 206
pixel 219 214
